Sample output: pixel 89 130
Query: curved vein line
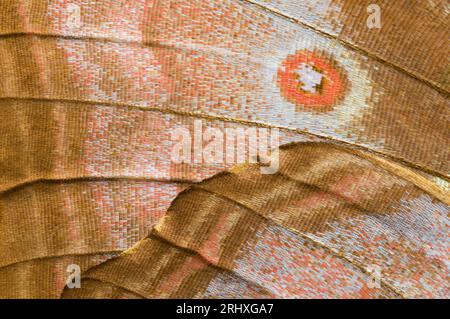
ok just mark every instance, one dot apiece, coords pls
pixel 85 38
pixel 189 47
pixel 407 175
pixel 155 235
pixel 201 115
pixel 338 196
pixel 391 167
pixel 330 250
pixel 327 35
pixel 65 290
pixel 342 199
pixel 96 253
pixel 88 179
pixel 160 237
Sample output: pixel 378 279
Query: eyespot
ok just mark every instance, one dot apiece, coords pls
pixel 311 80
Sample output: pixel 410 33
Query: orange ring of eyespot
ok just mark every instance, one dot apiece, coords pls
pixel 332 87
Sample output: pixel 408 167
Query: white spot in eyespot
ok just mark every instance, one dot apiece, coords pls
pixel 309 77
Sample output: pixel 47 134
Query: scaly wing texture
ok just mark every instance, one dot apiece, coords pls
pixel 418 48
pixel 87 108
pixel 313 230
